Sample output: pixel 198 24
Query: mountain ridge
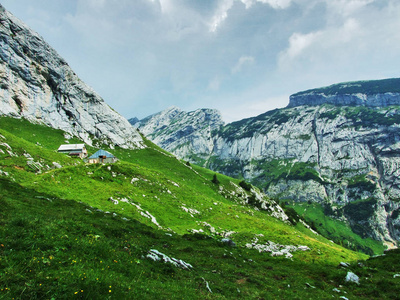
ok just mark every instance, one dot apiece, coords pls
pixel 372 93
pixel 334 155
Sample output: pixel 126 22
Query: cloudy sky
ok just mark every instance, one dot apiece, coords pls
pixel 242 57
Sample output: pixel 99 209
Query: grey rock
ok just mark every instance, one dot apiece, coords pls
pixel 351 277
pixel 228 242
pixel 37 84
pixel 183 132
pixel 344 265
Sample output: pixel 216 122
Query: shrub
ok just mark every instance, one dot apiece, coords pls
pixel 245 185
pixel 215 179
pixel 292 214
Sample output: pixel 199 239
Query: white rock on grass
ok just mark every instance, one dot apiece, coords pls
pixel 156 255
pixel 351 277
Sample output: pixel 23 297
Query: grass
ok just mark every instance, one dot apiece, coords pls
pixel 61 237
pixel 338 231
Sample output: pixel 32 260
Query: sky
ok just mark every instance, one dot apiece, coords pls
pixel 242 57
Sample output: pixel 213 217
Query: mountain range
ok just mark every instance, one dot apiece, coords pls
pixel 336 146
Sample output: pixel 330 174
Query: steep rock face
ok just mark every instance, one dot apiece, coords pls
pixel 342 157
pixel 37 84
pixel 185 134
pixel 346 158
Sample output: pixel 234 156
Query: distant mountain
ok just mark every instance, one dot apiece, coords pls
pixel 37 84
pixel 183 133
pixel 336 147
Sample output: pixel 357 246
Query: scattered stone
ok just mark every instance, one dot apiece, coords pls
pixel 157 256
pixel 208 287
pixel 336 290
pixel 114 201
pixel 344 265
pixel 310 286
pixel 351 277
pixel 191 211
pixel 396 275
pixel 303 248
pixel 228 242
pixel 134 180
pixel 4 173
pixel 57 165
pixel 149 216
pixel 196 231
pixel 276 249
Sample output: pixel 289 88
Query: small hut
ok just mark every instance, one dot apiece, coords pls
pixel 78 150
pixel 102 157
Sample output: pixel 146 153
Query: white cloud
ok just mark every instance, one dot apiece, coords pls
pixel 298 43
pixel 214 84
pixel 276 4
pixel 346 8
pixel 221 14
pixel 334 43
pixel 242 62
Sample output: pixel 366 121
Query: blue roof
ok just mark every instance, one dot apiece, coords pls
pixel 102 153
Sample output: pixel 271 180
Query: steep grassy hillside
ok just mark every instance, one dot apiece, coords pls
pixel 87 231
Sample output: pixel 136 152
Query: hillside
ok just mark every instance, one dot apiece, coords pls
pixel 61 236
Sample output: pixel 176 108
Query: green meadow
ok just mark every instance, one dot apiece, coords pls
pixel 85 231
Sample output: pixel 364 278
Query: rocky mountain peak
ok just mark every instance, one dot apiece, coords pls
pixel 173 127
pixel 37 84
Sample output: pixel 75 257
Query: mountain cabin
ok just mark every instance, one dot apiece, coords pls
pixel 78 150
pixel 102 157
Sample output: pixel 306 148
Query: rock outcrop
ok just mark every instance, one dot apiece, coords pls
pixel 37 84
pixel 345 157
pixel 185 134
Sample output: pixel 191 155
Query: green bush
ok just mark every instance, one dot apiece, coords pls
pixel 215 179
pixel 245 185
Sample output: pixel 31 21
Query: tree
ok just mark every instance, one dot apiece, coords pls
pixel 215 179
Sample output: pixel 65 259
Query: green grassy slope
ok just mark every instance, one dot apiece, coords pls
pixel 61 236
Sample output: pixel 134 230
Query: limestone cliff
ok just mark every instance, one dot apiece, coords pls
pixel 372 93
pixel 345 157
pixel 37 84
pixel 184 134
